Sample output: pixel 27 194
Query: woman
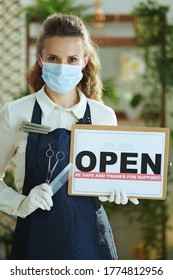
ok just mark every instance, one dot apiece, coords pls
pixel 67 90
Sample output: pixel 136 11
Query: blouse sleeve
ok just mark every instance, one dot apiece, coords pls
pixel 9 198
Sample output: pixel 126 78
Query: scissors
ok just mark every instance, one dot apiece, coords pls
pixel 59 156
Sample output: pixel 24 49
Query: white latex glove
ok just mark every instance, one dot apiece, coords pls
pixel 119 198
pixel 39 197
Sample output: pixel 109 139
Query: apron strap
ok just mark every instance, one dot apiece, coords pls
pixel 87 112
pixel 36 115
pixel 33 138
pixel 87 116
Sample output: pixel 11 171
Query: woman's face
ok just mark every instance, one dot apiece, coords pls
pixel 66 50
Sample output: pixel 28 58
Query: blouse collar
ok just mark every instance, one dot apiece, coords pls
pixel 47 105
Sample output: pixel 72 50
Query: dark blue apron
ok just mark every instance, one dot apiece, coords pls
pixel 76 228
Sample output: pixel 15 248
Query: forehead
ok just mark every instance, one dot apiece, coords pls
pixel 63 46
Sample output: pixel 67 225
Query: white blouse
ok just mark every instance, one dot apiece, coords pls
pixel 13 142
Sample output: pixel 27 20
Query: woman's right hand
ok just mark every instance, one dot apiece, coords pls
pixel 39 197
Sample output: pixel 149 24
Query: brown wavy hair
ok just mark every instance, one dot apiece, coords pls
pixel 69 25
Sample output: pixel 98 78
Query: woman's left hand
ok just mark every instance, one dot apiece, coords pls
pixel 119 197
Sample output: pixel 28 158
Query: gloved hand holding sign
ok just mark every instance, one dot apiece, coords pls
pixel 119 197
pixel 39 197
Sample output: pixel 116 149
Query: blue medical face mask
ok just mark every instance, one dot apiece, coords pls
pixel 61 78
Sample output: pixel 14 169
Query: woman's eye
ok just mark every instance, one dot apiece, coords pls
pixel 73 59
pixel 52 59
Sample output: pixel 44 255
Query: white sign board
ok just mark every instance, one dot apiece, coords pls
pixel 130 159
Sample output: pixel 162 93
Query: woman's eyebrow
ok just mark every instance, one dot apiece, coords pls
pixel 53 54
pixel 72 55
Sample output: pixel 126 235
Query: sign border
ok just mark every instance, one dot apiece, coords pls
pixel 123 128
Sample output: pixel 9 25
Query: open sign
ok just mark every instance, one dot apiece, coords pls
pixel 130 159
